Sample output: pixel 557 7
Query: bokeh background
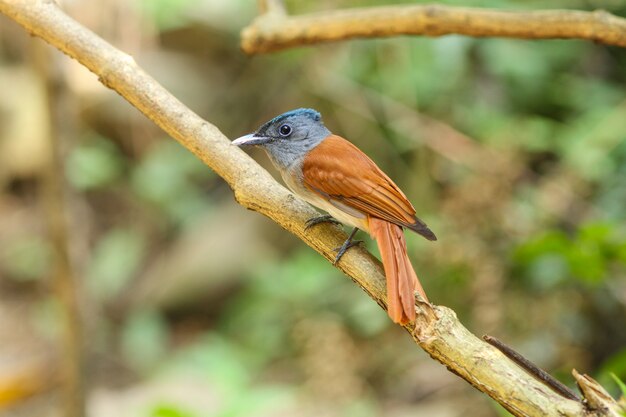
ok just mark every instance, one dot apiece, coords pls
pixel 513 151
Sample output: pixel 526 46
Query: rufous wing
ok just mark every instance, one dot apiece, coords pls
pixel 339 172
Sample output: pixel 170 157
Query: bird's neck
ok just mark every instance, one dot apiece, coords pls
pixel 285 158
pixel 287 155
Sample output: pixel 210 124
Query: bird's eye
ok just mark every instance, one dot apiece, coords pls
pixel 284 130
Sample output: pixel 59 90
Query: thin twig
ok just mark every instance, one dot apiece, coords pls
pixel 64 281
pixel 268 33
pixel 533 369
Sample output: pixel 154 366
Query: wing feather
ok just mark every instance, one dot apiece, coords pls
pixel 339 172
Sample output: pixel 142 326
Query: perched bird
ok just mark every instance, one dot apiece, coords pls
pixel 334 175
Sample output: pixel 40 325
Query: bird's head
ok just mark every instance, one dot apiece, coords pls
pixel 287 138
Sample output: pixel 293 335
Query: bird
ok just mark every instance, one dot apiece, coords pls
pixel 334 175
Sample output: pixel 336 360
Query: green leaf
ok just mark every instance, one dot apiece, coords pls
pixel 94 164
pixel 220 360
pixel 115 261
pixel 170 411
pixel 620 384
pixel 165 177
pixel 144 339
pixel 166 14
pixel 554 241
pixel 27 258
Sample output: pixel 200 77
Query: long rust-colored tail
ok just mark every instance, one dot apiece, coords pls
pixel 402 280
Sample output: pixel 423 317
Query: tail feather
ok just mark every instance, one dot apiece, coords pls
pixel 402 280
pixel 420 227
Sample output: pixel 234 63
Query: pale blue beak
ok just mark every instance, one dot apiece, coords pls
pixel 250 140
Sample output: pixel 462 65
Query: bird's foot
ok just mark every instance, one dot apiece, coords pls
pixel 326 218
pixel 341 250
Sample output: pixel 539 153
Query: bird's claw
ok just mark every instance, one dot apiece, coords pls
pixel 346 245
pixel 326 218
pixel 341 250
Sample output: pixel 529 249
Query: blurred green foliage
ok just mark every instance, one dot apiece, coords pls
pixel 115 261
pixel 26 258
pixel 144 340
pixel 97 163
pixel 170 411
pixel 232 369
pixel 620 384
pixel 165 14
pixel 172 178
pixel 592 255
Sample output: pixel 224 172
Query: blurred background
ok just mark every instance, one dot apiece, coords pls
pixel 179 303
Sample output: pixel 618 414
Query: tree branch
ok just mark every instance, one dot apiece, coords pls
pixel 596 396
pixel 275 31
pixel 437 330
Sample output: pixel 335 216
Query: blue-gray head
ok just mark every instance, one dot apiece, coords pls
pixel 288 137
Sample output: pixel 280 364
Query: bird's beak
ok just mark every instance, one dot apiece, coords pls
pixel 251 140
